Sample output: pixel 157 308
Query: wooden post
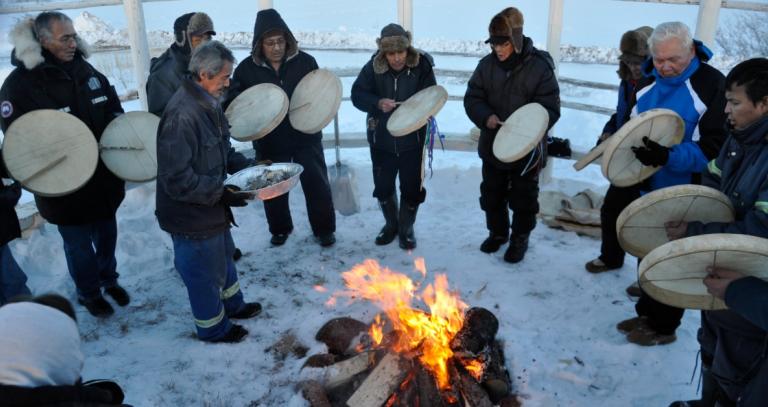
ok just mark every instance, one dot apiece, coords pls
pixel 405 14
pixel 554 32
pixel 265 4
pixel 137 33
pixel 706 24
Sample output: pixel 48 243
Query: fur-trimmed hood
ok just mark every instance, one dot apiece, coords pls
pixel 27 50
pixel 380 64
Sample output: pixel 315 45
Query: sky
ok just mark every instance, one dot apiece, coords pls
pixel 580 17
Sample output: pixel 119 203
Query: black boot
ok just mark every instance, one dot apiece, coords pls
pixel 709 391
pixel 405 231
pixel 497 222
pixel 518 244
pixel 389 231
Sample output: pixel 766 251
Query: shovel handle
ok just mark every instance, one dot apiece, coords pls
pixel 47 167
pixel 336 137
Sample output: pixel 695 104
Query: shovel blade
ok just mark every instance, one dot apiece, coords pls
pixel 343 190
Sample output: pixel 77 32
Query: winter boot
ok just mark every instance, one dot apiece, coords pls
pixel 405 231
pixel 497 222
pixel 710 391
pixel 518 244
pixel 389 231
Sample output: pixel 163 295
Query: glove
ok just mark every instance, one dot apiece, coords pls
pixel 9 196
pixel 231 196
pixel 652 153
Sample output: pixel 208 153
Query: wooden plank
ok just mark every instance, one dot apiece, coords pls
pixel 341 373
pixel 381 383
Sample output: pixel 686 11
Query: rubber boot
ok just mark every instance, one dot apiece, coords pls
pixel 389 231
pixel 405 232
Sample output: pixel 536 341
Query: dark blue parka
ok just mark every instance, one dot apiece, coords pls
pixel 194 156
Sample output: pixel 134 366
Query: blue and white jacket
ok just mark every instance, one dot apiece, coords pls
pixel 698 96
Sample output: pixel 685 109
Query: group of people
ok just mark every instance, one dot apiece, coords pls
pixel 189 87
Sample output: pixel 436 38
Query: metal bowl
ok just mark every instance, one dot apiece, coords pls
pixel 276 178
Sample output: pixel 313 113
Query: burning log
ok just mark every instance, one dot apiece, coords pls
pixel 341 373
pixel 473 394
pixel 338 334
pixel 429 394
pixel 381 383
pixel 479 330
pixel 496 380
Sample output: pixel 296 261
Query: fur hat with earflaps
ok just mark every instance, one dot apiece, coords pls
pixel 191 24
pixel 505 26
pixel 394 38
pixel 634 49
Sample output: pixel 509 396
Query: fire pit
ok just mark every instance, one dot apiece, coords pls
pixel 440 354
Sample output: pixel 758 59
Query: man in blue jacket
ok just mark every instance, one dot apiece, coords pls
pixel 193 204
pixel 679 79
pixel 734 342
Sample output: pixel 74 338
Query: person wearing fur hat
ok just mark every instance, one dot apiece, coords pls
pixel 514 74
pixel 52 73
pixel 40 358
pixel 167 71
pixel 395 72
pixel 276 58
pixel 634 51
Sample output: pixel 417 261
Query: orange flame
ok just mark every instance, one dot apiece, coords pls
pixel 429 334
pixel 474 367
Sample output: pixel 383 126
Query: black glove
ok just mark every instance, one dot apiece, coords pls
pixel 652 154
pixel 9 196
pixel 233 197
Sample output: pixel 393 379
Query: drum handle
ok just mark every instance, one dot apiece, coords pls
pixel 44 169
pixel 336 136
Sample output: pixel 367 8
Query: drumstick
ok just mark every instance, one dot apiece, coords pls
pixel 120 148
pixel 300 106
pixel 44 169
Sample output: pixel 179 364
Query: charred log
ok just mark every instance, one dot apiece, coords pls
pixel 479 330
pixel 314 393
pixel 496 380
pixel 321 360
pixel 429 394
pixel 470 390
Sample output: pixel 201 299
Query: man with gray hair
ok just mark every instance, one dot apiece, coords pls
pixel 193 204
pixel 52 73
pixel 677 78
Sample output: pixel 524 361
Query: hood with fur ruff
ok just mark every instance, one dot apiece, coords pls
pixel 27 50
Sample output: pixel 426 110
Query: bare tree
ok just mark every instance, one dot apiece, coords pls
pixel 744 35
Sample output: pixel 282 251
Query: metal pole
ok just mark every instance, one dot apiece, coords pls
pixel 137 33
pixel 706 24
pixel 265 4
pixel 405 14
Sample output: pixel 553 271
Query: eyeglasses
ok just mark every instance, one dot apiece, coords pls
pixel 275 43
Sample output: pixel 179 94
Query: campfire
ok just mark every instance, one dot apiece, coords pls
pixel 425 348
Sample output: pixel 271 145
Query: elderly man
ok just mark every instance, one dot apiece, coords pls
pixel 679 79
pixel 512 75
pixel 734 342
pixel 193 204
pixel 276 58
pixel 52 73
pixel 167 71
pixel 395 73
pixel 634 51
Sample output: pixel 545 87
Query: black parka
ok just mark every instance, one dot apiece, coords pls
pixel 78 88
pixel 255 70
pixel 194 156
pixel 166 73
pixel 495 90
pixel 377 81
pixel 9 221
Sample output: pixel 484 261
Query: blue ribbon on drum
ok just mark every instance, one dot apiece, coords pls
pixel 433 133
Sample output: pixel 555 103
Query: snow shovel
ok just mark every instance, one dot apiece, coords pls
pixel 343 188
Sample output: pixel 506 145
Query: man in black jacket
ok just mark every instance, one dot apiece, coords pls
pixel 276 58
pixel 513 75
pixel 52 73
pixel 167 71
pixel 396 72
pixel 193 204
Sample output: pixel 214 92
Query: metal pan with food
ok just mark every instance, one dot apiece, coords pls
pixel 267 181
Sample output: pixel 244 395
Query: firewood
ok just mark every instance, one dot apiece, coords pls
pixel 429 394
pixel 496 380
pixel 314 393
pixel 473 394
pixel 338 333
pixel 406 393
pixel 381 383
pixel 320 360
pixel 479 330
pixel 342 372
